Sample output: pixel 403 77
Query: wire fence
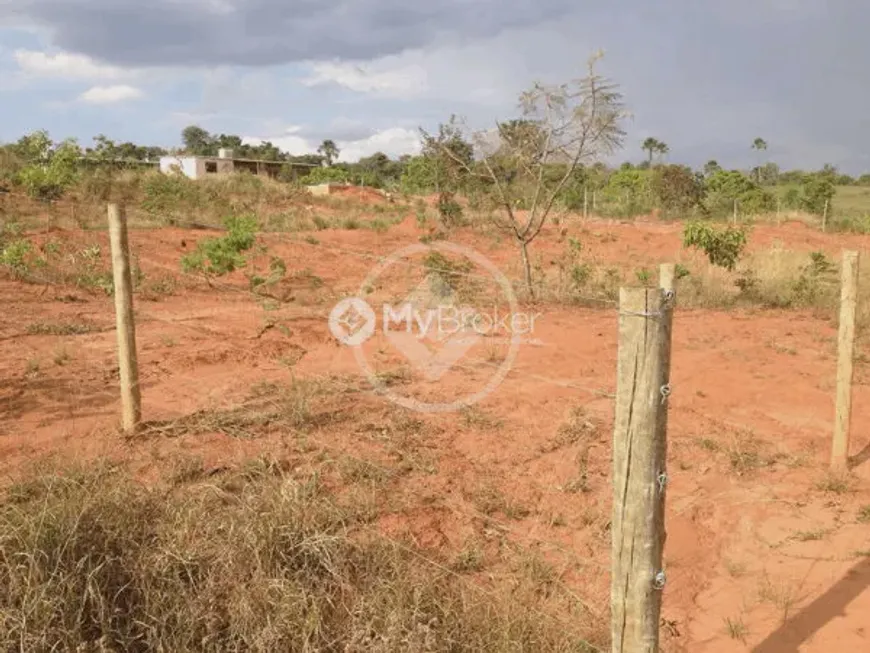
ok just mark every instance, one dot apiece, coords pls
pixel 190 395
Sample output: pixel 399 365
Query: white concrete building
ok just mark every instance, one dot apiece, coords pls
pixel 197 167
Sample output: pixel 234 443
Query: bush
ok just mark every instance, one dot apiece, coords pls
pixel 722 247
pixel 169 198
pixel 326 175
pixel 50 178
pixel 817 193
pixel 219 256
pixel 723 187
pixel 676 188
pixel 818 279
pixel 449 209
pixel 16 256
pixel 628 192
pixel 10 164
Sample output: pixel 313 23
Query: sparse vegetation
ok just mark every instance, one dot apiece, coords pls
pixel 736 628
pixel 835 483
pixel 258 558
pixel 219 256
pixel 380 529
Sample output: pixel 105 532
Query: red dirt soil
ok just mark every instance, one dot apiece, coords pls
pixel 769 550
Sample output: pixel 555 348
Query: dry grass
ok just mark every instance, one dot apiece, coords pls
pixel 260 559
pixel 736 628
pixel 770 278
pixel 60 328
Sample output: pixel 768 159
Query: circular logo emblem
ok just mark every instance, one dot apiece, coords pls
pixel 451 331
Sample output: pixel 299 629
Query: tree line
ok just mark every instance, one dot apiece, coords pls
pixel 517 176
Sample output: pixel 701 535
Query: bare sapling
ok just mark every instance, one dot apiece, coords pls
pixel 521 168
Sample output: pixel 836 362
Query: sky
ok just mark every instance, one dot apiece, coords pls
pixel 706 77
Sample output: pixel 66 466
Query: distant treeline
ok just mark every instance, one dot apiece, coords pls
pixel 45 169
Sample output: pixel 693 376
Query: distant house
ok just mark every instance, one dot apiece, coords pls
pixel 197 167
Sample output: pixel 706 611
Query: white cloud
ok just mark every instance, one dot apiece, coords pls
pixel 288 141
pixel 64 65
pixel 387 77
pixel 110 94
pixel 393 142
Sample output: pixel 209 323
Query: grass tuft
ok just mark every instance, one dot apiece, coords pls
pixel 255 560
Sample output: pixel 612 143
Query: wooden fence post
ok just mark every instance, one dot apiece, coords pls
pixel 131 408
pixel 585 202
pixel 639 476
pixel 845 353
pixel 667 273
pixel 825 217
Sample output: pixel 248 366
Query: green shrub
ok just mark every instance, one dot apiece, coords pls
pixel 219 256
pixel 723 247
pixel 724 187
pixel 449 210
pixel 627 193
pixel 817 193
pixel 16 255
pixel 49 178
pixel 326 175
pixel 817 278
pixel 169 197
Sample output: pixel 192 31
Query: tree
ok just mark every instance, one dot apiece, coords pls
pixel 654 146
pixel 329 151
pixel 724 187
pixel 662 148
pixel 50 169
pixel 759 145
pixel 768 174
pixel 676 188
pixel 651 146
pixel 817 193
pixel 197 140
pixel 711 168
pixel 576 122
pixel 450 156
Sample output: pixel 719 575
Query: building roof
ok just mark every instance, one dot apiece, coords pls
pixel 236 158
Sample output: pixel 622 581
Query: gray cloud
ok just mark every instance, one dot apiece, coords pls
pixel 267 32
pixel 706 77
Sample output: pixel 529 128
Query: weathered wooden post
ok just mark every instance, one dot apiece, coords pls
pixel 131 408
pixel 845 357
pixel 639 474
